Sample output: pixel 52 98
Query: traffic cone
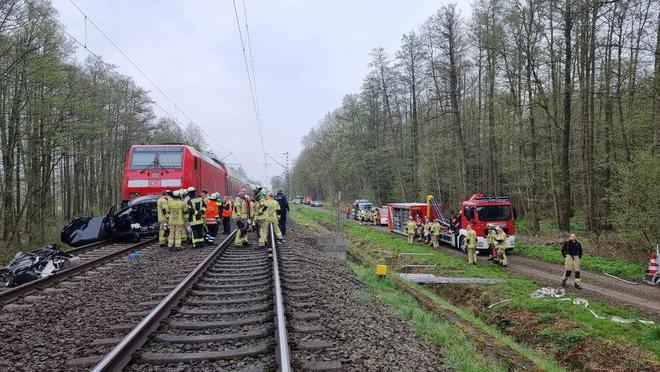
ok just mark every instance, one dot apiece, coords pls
pixel 651 276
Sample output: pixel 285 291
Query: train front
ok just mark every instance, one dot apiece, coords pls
pixel 150 169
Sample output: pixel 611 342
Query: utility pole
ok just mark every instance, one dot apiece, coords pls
pixel 286 169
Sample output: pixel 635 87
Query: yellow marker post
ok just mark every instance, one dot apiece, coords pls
pixel 381 271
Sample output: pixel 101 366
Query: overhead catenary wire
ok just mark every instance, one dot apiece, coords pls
pixel 249 69
pixel 144 74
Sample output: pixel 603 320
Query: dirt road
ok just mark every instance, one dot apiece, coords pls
pixel 642 297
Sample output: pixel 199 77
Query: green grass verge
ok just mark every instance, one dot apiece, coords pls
pixel 621 268
pixel 515 287
pixel 459 351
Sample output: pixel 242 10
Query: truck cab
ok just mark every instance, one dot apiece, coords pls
pixel 480 211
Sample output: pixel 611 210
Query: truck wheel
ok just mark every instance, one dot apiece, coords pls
pixel 461 244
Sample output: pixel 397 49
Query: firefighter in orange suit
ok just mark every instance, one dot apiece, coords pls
pixel 212 217
pixel 226 215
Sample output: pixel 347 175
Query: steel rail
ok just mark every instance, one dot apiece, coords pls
pixel 27 288
pixel 121 355
pixel 283 355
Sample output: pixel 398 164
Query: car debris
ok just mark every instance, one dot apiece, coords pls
pixel 138 219
pixel 28 266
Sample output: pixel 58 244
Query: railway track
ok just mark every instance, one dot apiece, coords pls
pixel 228 312
pixel 91 256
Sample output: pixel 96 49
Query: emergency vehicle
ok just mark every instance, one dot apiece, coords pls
pixel 479 211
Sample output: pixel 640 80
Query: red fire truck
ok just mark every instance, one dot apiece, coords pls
pixel 479 211
pixel 400 212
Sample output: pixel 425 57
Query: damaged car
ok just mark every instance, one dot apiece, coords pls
pixel 40 263
pixel 138 219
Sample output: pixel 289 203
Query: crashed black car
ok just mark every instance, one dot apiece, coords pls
pixel 138 219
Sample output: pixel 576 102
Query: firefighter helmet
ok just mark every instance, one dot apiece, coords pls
pixel 176 193
pixel 190 189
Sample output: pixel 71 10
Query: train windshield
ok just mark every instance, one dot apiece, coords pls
pixel 156 157
pixel 494 213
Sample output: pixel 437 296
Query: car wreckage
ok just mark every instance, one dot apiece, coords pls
pixel 137 220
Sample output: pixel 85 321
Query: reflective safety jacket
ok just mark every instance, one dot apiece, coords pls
pixel 211 212
pixel 241 208
pixel 471 239
pixel 259 209
pixel 490 238
pixel 271 211
pixel 176 210
pixel 410 227
pixel 196 210
pixel 226 209
pixel 500 240
pixel 161 205
pixel 436 228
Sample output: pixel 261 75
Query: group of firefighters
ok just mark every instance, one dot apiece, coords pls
pixel 366 217
pixel 429 233
pixel 183 215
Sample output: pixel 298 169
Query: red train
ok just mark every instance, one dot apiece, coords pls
pixel 150 169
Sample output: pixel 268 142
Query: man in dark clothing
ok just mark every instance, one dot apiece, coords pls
pixel 572 252
pixel 284 208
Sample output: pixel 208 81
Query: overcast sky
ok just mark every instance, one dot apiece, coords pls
pixel 307 55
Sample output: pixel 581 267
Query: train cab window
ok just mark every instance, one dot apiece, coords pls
pixel 156 157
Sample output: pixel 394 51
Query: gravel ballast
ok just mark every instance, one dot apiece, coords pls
pixel 356 328
pixel 48 329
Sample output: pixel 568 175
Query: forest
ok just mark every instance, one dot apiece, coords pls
pixel 65 126
pixel 553 103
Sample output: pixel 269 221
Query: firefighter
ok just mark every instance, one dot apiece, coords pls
pixel 268 210
pixel 490 239
pixel 161 205
pixel 500 245
pixel 226 215
pixel 196 217
pixel 572 252
pixel 211 217
pixel 176 210
pixel 435 233
pixel 471 245
pixel 241 213
pixel 419 228
pixel 348 211
pixel 410 230
pixel 427 230
pixel 284 210
pixel 258 219
pixel 377 217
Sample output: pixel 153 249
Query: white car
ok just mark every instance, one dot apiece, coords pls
pixel 316 203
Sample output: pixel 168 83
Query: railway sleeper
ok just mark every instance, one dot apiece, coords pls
pixel 196 339
pixel 198 325
pixel 229 293
pixel 164 358
pixel 241 300
pixel 227 311
pixel 229 286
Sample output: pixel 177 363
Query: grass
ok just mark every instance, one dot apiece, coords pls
pixel 577 226
pixel 621 268
pixel 383 247
pixel 460 352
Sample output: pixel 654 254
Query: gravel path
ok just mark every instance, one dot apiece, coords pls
pixel 49 329
pixel 357 329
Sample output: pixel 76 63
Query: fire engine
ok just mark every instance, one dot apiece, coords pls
pixel 479 211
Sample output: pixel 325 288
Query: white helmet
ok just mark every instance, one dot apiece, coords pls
pixel 176 193
pixel 214 196
pixel 184 192
pixel 191 189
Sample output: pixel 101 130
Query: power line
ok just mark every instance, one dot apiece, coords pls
pixel 251 76
pixel 59 26
pixel 144 74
